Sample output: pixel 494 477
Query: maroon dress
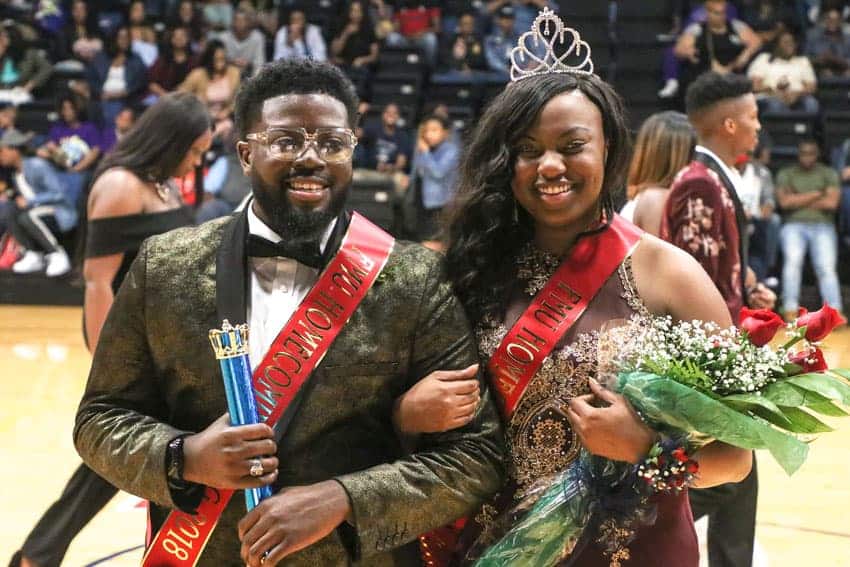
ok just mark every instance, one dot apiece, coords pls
pixel 540 439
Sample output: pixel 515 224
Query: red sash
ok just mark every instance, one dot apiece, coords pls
pixel 297 350
pixel 552 312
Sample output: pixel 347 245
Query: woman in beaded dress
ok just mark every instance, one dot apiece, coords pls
pixel 538 176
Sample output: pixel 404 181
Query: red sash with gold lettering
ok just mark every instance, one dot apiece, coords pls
pixel 297 350
pixel 552 312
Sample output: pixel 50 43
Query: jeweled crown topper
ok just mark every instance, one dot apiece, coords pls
pixel 229 341
pixel 550 47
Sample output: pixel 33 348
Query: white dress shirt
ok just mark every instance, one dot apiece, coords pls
pixel 278 285
pixel 733 174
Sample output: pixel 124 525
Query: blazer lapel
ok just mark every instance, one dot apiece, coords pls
pixel 231 272
pixel 740 216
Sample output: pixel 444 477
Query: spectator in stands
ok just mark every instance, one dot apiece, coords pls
pixel 186 15
pixel 355 47
pixel 767 18
pixel 434 173
pixel 500 42
pixel 828 46
pixel 354 44
pixel 80 38
pixel 22 69
pixel 8 115
pixel 785 80
pixel 225 185
pixel 174 63
pixel 665 145
pixel 417 25
pixel 73 146
pixel 758 199
pixel 808 194
pixel 524 11
pixel 245 45
pixel 299 39
pixel 117 77
pixel 385 154
pixel 112 135
pixel 142 36
pixel 387 143
pixel 719 44
pixel 465 51
pixel 218 14
pixel 42 208
pixel 215 82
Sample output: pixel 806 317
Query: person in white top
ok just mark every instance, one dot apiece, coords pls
pixel 299 39
pixel 785 80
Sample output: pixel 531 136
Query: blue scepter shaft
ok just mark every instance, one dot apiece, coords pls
pixel 231 348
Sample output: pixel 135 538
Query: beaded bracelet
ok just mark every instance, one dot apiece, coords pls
pixel 667 468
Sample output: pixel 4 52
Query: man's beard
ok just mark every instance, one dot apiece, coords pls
pixel 293 224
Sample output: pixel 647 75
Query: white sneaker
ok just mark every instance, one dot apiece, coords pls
pixel 671 87
pixel 58 263
pixel 30 262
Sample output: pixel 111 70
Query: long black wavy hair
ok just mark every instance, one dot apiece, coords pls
pixel 159 140
pixel 487 228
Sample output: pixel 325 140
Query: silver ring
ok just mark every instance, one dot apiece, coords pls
pixel 256 468
pixel 264 556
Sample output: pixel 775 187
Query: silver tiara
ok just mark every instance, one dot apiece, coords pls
pixel 536 51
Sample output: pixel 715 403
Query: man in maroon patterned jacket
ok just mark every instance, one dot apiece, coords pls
pixel 704 216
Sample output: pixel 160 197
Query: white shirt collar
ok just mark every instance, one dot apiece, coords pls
pixel 258 228
pixel 733 174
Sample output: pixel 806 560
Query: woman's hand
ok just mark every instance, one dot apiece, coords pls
pixel 614 431
pixel 443 400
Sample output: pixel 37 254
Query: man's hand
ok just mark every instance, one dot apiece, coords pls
pixel 292 520
pixel 443 400
pixel 220 456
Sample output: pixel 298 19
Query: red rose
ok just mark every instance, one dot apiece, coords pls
pixel 819 323
pixel 760 324
pixel 693 467
pixel 809 360
pixel 680 455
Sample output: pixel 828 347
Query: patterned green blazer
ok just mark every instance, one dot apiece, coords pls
pixel 154 377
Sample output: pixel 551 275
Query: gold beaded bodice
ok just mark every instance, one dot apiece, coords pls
pixel 541 441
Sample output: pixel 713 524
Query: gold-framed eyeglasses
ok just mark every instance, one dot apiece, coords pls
pixel 333 145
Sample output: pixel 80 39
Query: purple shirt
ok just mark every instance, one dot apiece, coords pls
pixel 86 131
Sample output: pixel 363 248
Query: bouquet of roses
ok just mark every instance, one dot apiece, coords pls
pixel 692 382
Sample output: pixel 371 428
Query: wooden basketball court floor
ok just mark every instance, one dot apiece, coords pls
pixel 802 520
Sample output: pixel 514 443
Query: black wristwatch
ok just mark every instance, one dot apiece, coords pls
pixel 174 461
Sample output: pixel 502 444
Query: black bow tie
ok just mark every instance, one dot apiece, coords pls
pixel 303 252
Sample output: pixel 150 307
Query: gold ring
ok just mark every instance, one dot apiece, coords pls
pixel 256 468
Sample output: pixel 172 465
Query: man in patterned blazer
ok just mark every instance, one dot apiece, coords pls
pixel 347 487
pixel 703 215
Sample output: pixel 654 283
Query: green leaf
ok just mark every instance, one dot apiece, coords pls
pixel 843 372
pixel 752 402
pixel 784 394
pixel 665 401
pixel 791 369
pixel 822 384
pixel 804 422
pixel 821 404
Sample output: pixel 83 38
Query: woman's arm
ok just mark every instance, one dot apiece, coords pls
pixel 115 193
pixel 671 282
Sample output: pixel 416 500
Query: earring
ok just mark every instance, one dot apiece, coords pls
pixel 516 212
